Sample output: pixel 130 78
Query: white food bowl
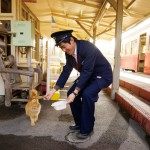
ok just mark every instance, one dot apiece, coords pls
pixel 59 105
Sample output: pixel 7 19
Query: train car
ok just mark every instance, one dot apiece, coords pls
pixel 135 53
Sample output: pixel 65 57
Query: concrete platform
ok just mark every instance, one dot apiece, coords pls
pixel 134 97
pixel 138 83
pixel 114 129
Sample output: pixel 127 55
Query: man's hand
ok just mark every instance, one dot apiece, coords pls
pixel 49 94
pixel 70 98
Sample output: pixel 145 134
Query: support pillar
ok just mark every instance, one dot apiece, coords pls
pixel 118 35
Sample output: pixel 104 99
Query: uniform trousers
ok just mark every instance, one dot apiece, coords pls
pixel 83 106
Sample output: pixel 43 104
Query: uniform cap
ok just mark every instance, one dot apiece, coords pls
pixel 60 36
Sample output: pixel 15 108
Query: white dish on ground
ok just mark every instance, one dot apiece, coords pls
pixel 60 105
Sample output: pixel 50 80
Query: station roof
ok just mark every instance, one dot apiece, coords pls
pixel 84 15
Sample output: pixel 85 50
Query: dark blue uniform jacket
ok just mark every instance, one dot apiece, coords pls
pixel 91 65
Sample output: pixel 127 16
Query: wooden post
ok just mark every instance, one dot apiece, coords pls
pixel 118 35
pixel 29 56
pixel 49 57
pixel 28 59
pixel 49 62
pixel 94 35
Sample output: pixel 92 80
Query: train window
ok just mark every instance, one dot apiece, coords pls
pixel 134 49
pixel 128 48
pixel 142 43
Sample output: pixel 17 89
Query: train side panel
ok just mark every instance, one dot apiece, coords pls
pixel 129 62
pixel 147 63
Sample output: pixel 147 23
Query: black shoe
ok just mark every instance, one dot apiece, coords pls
pixel 74 127
pixel 84 136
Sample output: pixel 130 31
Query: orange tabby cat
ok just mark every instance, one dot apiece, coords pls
pixel 33 107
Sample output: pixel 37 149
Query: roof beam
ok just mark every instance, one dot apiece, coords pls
pixel 69 16
pixel 103 32
pixel 80 18
pixel 113 3
pixel 63 25
pixel 62 16
pixel 110 16
pixel 83 3
pixel 84 28
pixel 100 14
pixel 86 21
pixel 130 4
pixel 130 13
pixel 136 14
pixel 109 34
pixel 72 18
pixel 107 26
pixel 71 27
pixel 86 24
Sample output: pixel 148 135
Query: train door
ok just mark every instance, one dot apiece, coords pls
pixel 142 47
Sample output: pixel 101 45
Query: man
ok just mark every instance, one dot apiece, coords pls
pixel 95 74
